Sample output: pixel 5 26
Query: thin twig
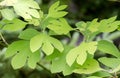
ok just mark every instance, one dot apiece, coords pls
pixel 3 39
pixel 43 67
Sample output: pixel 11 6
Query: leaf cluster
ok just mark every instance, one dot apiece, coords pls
pixel 64 58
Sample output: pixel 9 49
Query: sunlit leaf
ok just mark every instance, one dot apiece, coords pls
pixel 44 41
pixel 109 25
pixel 8 14
pixel 80 53
pixel 55 10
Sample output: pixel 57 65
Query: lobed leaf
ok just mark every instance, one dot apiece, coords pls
pixel 20 50
pixel 55 10
pixel 13 25
pixel 46 43
pixel 80 53
pixel 60 26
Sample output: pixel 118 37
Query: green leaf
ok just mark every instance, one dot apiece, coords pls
pixel 27 9
pixel 8 14
pixel 35 46
pixel 102 74
pixel 108 47
pixel 55 10
pixel 46 43
pixel 93 27
pixel 81 26
pixel 33 59
pixel 62 7
pixel 48 48
pixel 21 52
pixel 34 21
pixel 108 25
pixel 59 62
pixel 60 26
pixel 56 43
pixel 80 53
pixel 8 2
pixel 90 66
pixel 114 63
pixel 119 28
pixel 111 19
pixel 28 34
pixel 94 77
pixel 13 25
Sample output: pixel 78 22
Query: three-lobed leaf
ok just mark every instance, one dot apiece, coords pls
pixel 46 43
pixel 80 53
pixel 24 8
pixel 13 25
pixel 20 50
pixel 60 26
pixel 55 10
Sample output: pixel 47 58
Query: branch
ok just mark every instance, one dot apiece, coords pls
pixel 43 67
pixel 3 39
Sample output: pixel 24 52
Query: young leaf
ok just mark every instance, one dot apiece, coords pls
pixel 81 26
pixel 44 41
pixel 8 2
pixel 108 25
pixel 90 66
pixel 14 25
pixel 26 8
pixel 55 10
pixel 60 26
pixel 93 27
pixel 80 53
pixel 108 47
pixel 8 14
pixel 28 34
pixel 20 50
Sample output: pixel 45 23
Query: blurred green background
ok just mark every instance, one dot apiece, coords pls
pixel 78 10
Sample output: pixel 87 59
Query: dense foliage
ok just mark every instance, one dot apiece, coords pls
pixel 42 41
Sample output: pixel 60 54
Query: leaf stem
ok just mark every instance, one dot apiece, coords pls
pixel 3 39
pixel 43 67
